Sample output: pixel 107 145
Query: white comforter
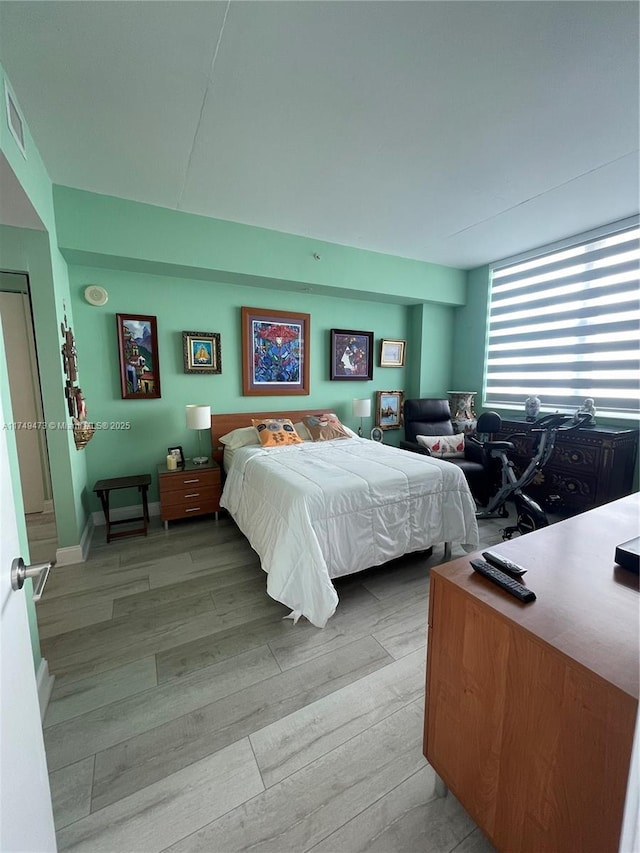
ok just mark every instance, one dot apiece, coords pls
pixel 318 510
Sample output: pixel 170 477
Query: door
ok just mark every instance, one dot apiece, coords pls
pixel 25 800
pixel 26 403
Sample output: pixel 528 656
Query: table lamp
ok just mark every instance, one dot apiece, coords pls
pixel 361 409
pixel 199 417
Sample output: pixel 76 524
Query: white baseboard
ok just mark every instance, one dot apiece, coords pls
pixel 44 681
pixel 122 512
pixel 69 556
pixel 73 554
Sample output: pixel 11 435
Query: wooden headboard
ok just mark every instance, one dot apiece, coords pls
pixel 222 424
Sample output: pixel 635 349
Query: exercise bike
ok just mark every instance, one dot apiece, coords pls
pixel 529 514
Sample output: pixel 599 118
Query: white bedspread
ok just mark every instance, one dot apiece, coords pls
pixel 318 510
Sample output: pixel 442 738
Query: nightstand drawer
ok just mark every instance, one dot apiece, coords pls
pixel 187 480
pixel 189 509
pixel 191 496
pixel 192 491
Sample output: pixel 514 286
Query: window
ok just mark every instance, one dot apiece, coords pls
pixel 565 324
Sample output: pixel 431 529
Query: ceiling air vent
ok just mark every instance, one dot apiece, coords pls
pixel 14 119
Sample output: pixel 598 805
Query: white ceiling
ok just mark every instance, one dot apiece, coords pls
pixel 452 132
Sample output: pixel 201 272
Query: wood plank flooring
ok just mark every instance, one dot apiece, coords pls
pixel 188 716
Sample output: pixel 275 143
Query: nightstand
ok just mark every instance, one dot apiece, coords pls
pixel 191 490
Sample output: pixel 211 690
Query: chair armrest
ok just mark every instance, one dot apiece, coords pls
pixel 474 450
pixel 414 447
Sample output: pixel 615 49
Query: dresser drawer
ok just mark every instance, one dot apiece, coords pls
pixel 576 457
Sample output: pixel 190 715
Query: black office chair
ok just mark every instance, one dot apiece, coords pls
pixel 430 416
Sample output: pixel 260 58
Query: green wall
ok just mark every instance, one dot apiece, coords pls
pixel 28 250
pixel 36 252
pixel 189 305
pixel 109 232
pixel 195 274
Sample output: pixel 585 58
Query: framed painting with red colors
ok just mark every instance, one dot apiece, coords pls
pixel 138 352
pixel 351 355
pixel 275 352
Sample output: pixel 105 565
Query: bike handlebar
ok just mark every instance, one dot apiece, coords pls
pixel 549 422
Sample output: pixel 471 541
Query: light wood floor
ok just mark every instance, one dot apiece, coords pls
pixel 187 715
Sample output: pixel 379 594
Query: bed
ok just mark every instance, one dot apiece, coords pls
pixel 320 510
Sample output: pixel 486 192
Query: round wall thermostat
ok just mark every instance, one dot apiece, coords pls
pixel 95 295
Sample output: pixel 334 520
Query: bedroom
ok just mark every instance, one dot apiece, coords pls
pixel 139 252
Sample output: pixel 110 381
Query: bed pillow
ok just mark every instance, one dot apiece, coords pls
pixel 302 431
pixel 240 437
pixel 325 427
pixel 276 432
pixel 443 446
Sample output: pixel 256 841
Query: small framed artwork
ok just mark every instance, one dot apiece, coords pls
pixel 201 352
pixel 389 409
pixel 275 352
pixel 138 352
pixel 392 353
pixel 377 434
pixel 351 355
pixel 177 452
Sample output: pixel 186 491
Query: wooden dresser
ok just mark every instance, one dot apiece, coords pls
pixel 531 708
pixel 190 491
pixel 589 466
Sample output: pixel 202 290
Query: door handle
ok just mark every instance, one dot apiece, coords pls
pixel 19 572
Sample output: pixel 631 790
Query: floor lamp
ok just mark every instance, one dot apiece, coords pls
pixel 199 417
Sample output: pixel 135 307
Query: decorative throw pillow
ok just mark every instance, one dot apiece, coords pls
pixel 276 432
pixel 325 427
pixel 240 437
pixel 443 446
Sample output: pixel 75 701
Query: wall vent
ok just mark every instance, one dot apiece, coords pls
pixel 14 119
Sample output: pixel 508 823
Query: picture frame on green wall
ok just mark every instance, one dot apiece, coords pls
pixel 275 352
pixel 392 353
pixel 138 354
pixel 389 409
pixel 351 355
pixel 201 352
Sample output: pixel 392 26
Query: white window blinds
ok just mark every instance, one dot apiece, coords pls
pixel 565 325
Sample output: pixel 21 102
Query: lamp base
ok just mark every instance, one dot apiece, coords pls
pixel 200 460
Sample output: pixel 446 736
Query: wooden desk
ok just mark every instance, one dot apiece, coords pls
pixel 102 488
pixel 531 708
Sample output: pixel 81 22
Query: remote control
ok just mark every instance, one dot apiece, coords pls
pixel 507 566
pixel 501 579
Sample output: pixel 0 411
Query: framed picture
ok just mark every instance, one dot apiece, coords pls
pixel 377 434
pixel 351 355
pixel 275 352
pixel 392 353
pixel 138 351
pixel 389 409
pixel 201 352
pixel 177 452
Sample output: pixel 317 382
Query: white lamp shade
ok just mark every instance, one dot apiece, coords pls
pixel 362 408
pixel 198 417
